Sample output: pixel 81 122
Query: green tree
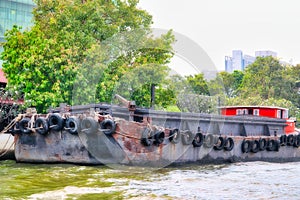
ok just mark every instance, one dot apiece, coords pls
pixel 226 83
pixel 65 48
pixel 132 75
pixel 291 92
pixel 198 84
pixel 264 78
pixel 191 94
pixel 268 82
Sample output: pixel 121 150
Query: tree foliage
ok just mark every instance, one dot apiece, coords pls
pixel 226 83
pixel 265 82
pixel 264 78
pixel 65 56
pixel 268 82
pixel 198 84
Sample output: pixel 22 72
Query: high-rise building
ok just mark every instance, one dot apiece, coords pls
pixel 228 64
pixel 248 60
pixel 265 53
pixel 14 12
pixel 238 61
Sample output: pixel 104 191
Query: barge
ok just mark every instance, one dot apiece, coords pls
pixel 127 135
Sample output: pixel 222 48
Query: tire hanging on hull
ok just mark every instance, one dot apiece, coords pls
pixel 24 126
pixel 246 145
pixel 198 140
pixel 159 137
pixel 41 126
pixel 174 136
pixel 73 125
pixel 56 122
pixel 273 145
pixel 89 125
pixel 219 145
pixel 209 141
pixel 254 146
pixel 187 137
pixel 262 144
pixel 146 138
pixel 229 144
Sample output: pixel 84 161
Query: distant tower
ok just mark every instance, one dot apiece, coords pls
pixel 237 61
pixel 228 64
pixel 265 53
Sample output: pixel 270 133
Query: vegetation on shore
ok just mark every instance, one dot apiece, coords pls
pixel 77 52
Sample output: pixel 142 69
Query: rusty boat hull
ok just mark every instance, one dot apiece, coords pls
pixel 110 135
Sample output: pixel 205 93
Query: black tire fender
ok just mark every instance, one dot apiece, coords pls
pixel 254 146
pixel 198 140
pixel 263 143
pixel 277 145
pixel 89 125
pixel 229 144
pixel 109 126
pixel 187 137
pixel 209 141
pixel 290 140
pixel 246 146
pixel 73 125
pixel 56 122
pixel 272 145
pixel 220 143
pixel 15 129
pixel 283 140
pixel 146 138
pixel 297 141
pixel 24 125
pixel 41 126
pixel 159 137
pixel 174 136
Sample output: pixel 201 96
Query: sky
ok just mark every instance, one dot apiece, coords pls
pixel 220 26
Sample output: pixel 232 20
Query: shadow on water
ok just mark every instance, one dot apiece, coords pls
pixel 257 180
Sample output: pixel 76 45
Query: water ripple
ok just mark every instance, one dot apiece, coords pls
pixel 253 180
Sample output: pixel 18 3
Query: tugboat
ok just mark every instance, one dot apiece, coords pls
pixel 128 135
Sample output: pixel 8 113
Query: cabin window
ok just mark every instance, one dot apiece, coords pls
pixel 285 114
pixel 242 111
pixel 278 113
pixel 256 112
pixel 250 111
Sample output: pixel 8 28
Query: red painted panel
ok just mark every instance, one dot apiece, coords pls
pixel 290 128
pixel 264 112
pixel 268 112
pixel 228 111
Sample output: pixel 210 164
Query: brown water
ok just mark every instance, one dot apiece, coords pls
pixel 253 180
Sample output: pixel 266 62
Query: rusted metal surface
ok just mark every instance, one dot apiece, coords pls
pixel 147 139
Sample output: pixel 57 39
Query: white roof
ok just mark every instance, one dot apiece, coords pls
pixel 273 107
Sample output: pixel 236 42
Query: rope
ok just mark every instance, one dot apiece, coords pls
pixel 126 135
pixel 9 126
pixel 6 129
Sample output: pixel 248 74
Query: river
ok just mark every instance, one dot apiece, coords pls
pixel 252 180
